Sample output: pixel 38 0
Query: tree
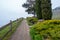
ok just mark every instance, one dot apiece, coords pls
pixel 46 9
pixel 41 8
pixel 30 10
pixel 25 5
pixel 38 9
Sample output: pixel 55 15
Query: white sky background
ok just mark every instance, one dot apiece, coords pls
pixel 55 3
pixel 12 9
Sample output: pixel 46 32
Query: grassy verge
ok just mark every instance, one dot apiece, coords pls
pixel 15 24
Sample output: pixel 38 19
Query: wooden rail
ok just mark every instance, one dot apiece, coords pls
pixel 9 24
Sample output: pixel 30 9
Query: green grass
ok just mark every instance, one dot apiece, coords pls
pixel 14 26
pixel 6 29
pixel 2 32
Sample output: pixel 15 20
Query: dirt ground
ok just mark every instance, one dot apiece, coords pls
pixel 22 32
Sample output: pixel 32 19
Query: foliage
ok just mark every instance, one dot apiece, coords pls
pixel 32 20
pixel 38 9
pixel 30 10
pixel 46 9
pixel 43 9
pixel 49 29
pixel 25 5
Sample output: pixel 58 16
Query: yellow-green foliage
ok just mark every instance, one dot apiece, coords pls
pixel 49 29
pixel 32 20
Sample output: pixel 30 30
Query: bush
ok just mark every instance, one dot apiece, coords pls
pixel 32 20
pixel 49 29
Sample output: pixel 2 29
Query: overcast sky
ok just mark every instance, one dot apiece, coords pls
pixel 12 9
pixel 55 3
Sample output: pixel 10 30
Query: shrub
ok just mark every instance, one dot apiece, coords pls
pixel 49 29
pixel 32 20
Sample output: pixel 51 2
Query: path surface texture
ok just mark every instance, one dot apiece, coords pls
pixel 22 32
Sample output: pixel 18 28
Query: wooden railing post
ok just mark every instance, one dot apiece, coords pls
pixel 17 22
pixel 11 25
pixel 0 38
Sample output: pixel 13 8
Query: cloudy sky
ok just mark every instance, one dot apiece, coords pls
pixel 12 9
pixel 55 3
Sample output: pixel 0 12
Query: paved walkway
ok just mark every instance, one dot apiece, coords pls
pixel 22 32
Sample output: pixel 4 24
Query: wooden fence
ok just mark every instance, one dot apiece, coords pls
pixel 9 24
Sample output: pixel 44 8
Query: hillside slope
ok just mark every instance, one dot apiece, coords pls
pixel 56 13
